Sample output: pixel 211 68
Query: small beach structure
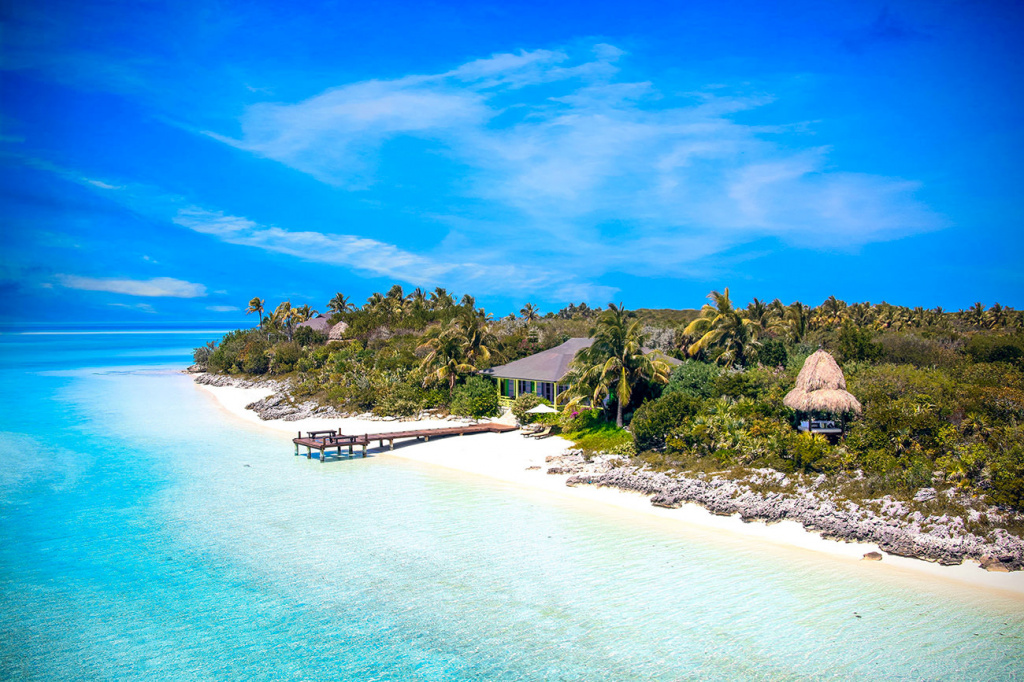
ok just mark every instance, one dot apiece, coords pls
pixel 821 389
pixel 337 332
pixel 325 441
pixel 318 323
pixel 542 373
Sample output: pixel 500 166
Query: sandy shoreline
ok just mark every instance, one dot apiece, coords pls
pixel 507 456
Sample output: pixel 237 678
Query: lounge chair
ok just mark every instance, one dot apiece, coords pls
pixel 543 433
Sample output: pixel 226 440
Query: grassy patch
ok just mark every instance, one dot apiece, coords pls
pixel 602 437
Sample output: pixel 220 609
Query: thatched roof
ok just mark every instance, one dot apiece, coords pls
pixel 318 323
pixel 821 387
pixel 820 371
pixel 833 400
pixel 338 331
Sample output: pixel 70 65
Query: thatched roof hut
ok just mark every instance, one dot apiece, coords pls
pixel 821 387
pixel 338 331
pixel 318 323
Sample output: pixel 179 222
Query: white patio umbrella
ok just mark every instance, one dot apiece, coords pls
pixel 541 409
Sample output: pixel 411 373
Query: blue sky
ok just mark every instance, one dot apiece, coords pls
pixel 165 162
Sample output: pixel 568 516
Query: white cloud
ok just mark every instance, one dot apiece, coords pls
pixel 223 308
pixel 359 253
pixel 156 287
pixel 593 150
pixel 144 307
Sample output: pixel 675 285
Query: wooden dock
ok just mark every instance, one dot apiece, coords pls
pixel 325 441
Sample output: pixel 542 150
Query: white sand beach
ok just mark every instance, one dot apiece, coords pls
pixel 509 456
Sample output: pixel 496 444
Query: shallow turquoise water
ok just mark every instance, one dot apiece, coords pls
pixel 143 534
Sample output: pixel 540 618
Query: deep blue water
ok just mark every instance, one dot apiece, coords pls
pixel 145 535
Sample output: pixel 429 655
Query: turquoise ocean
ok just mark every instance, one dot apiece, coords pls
pixel 145 534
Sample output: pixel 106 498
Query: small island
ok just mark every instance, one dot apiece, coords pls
pixel 874 423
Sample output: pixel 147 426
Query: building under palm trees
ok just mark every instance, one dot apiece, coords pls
pixel 542 373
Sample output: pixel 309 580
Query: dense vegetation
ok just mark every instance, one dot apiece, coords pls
pixel 943 392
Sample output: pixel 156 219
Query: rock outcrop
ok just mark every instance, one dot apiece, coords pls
pixel 941 539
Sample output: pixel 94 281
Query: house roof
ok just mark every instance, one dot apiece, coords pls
pixel 318 323
pixel 552 364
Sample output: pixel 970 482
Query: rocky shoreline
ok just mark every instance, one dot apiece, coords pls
pixel 939 538
pixel 282 405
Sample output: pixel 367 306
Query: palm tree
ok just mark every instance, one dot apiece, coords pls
pixel 764 315
pixel 615 363
pixel 529 313
pixel 283 318
pixel 374 302
pixel 440 299
pixel 479 336
pixel 304 312
pixel 340 304
pixel 468 302
pixel 722 326
pixel 796 318
pixel 996 316
pixel 976 314
pixel 446 354
pixel 832 312
pixel 418 299
pixel 256 306
pixel 861 314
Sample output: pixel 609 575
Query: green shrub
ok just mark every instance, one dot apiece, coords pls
pixel 256 362
pixel 984 348
pixel 201 355
pixel 910 349
pixel 526 401
pixel 398 400
pixel 478 397
pixel 693 378
pixel 307 336
pixel 286 355
pixel 855 343
pixel 655 419
pixel 750 383
pixel 772 353
pixel 582 420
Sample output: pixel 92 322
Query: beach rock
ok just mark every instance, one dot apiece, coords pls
pixel 925 495
pixel 945 540
pixel 873 556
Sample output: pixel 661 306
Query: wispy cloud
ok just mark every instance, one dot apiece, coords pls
pixel 589 150
pixel 144 307
pixel 223 308
pixel 369 256
pixel 157 287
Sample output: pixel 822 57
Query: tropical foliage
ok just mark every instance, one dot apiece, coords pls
pixel 615 364
pixel 943 392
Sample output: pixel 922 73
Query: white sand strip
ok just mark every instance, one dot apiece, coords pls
pixel 507 456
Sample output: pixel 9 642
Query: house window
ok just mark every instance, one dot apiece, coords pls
pixel 525 387
pixel 547 391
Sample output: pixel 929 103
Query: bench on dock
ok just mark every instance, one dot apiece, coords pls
pixel 328 440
